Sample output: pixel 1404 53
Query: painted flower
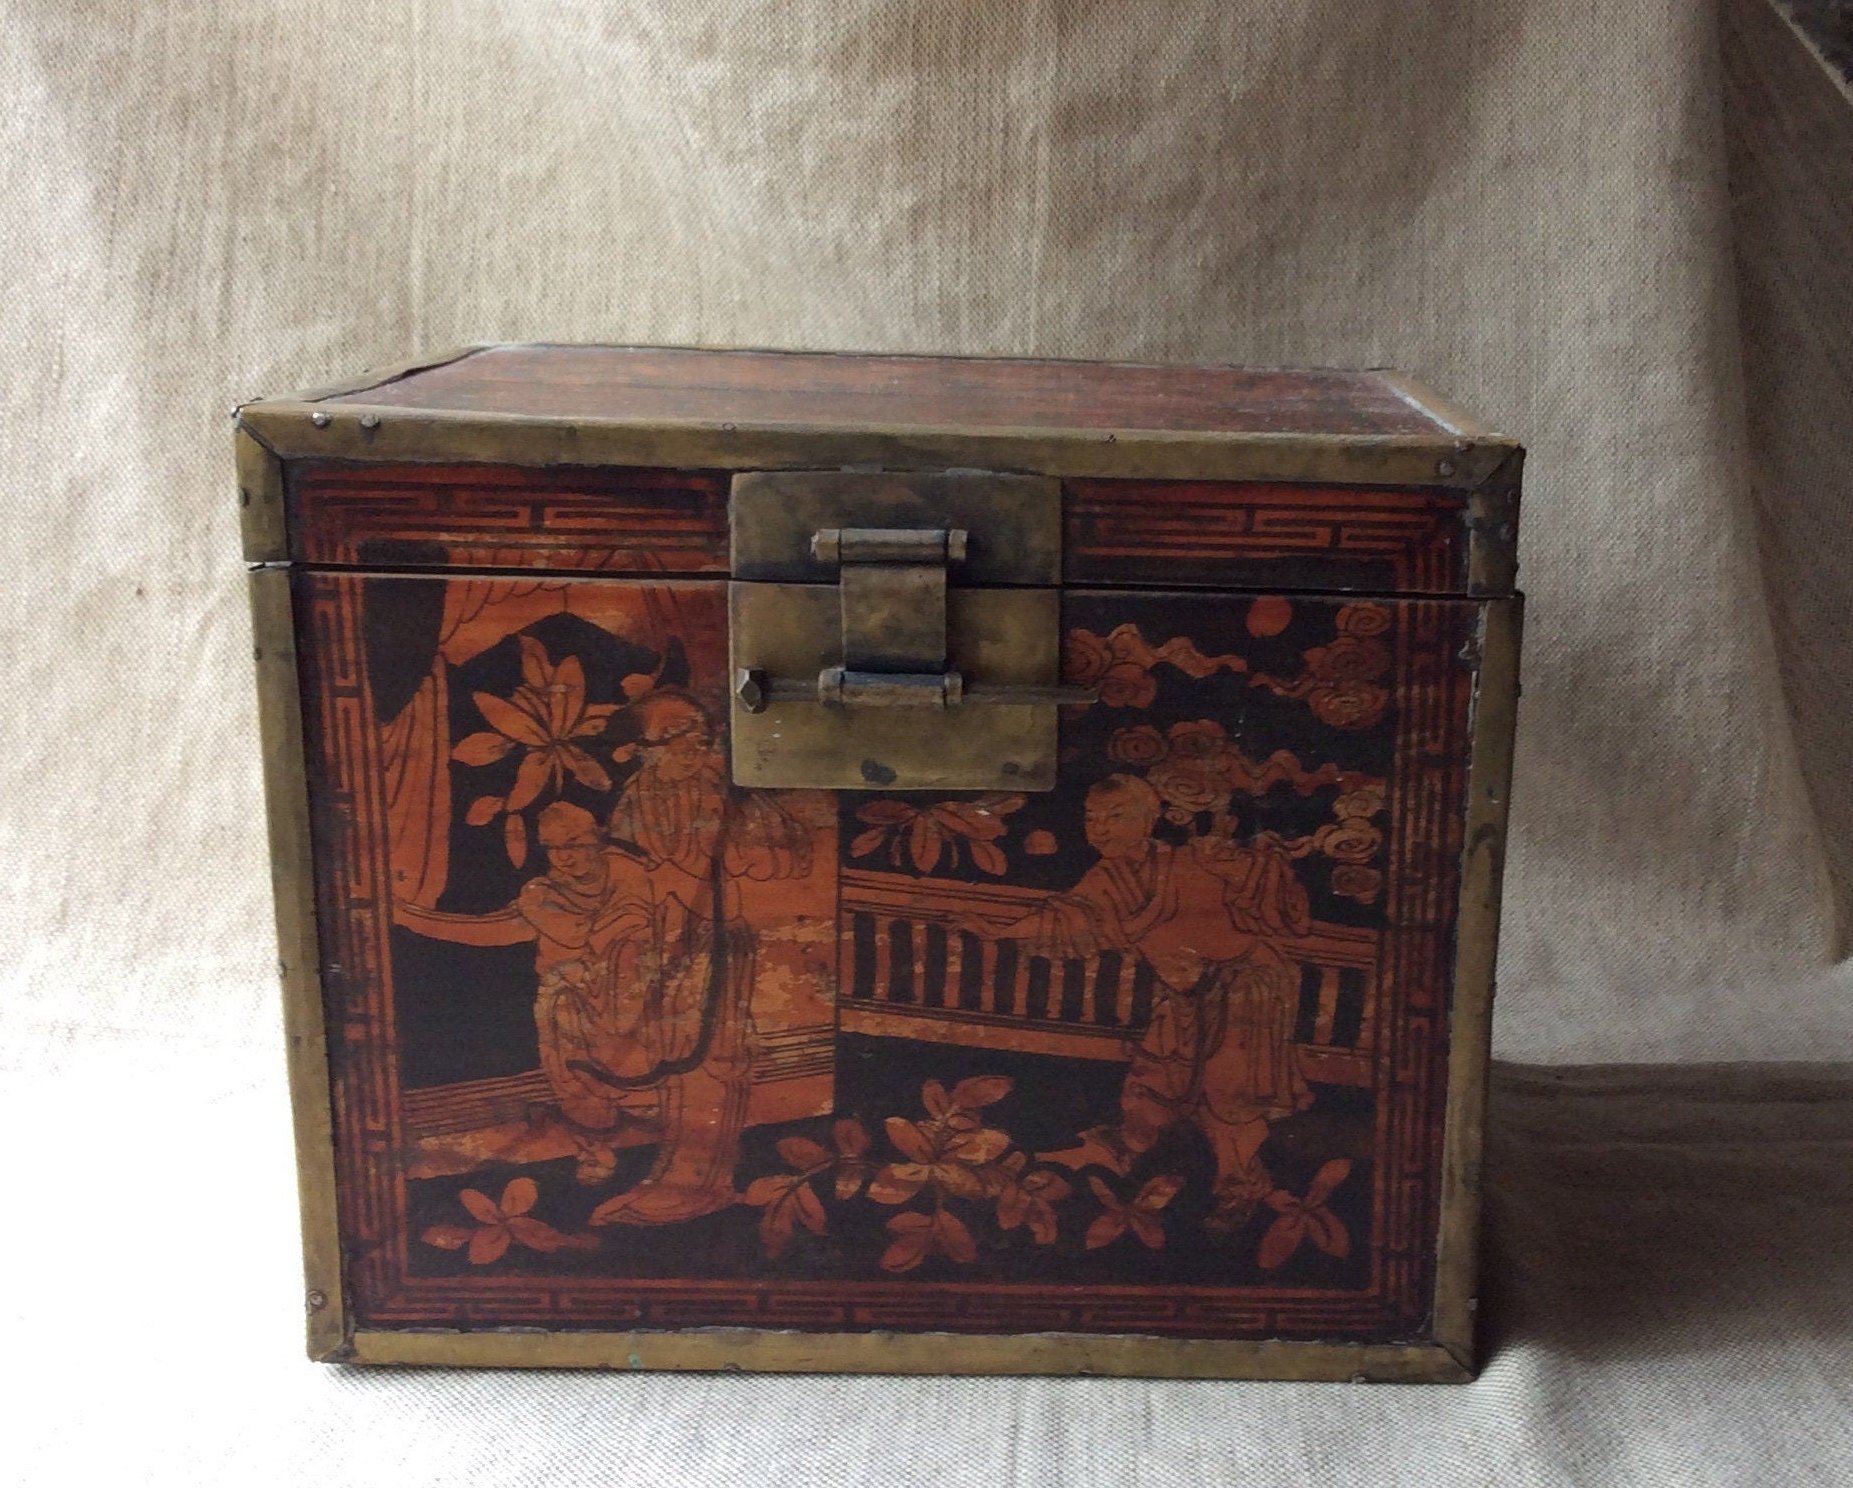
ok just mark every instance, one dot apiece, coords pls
pixel 1306 1218
pixel 1140 745
pixel 502 1223
pixel 546 714
pixel 1139 1214
pixel 926 833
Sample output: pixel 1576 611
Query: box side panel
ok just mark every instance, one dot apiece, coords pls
pixel 280 720
pixel 943 1009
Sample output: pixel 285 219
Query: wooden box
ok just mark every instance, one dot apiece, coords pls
pixel 792 861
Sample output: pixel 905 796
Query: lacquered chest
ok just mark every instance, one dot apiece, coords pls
pixel 843 862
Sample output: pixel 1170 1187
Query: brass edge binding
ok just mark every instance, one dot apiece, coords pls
pixel 1489 780
pixel 286 796
pixel 1491 520
pixel 916 1353
pixel 261 519
pixel 295 429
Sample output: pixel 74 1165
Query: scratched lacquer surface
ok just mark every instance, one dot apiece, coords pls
pixel 617 1045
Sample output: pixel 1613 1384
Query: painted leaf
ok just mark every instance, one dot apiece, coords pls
pixel 483 810
pixel 536 766
pixel 1147 1226
pixel 849 1178
pixel 767 1190
pixel 481 1206
pixel 850 1137
pixel 924 842
pixel 809 1208
pixel 504 717
pixel 980 1090
pixel 982 1146
pixel 1328 1231
pixel 1105 1230
pixel 1012 1207
pixel 866 842
pixel 1325 1180
pixel 536 671
pixel 896 1184
pixel 515 838
pixel 448 1237
pixel 519 1196
pixel 636 685
pixel 802 1153
pixel 489 1244
pixel 567 695
pixel 481 749
pixel 958 1180
pixel 910 1245
pixel 987 857
pixel 1281 1240
pixel 586 770
pixel 775 1228
pixel 885 813
pixel 949 1230
pixel 909 1139
pixel 1042 1225
pixel 536 1234
pixel 1158 1192
pixel 934 1098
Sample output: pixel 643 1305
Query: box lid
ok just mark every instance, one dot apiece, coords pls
pixel 1148 453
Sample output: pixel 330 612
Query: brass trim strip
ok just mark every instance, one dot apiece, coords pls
pixel 260 500
pixel 1489 780
pixel 286 798
pixel 916 1353
pixel 358 431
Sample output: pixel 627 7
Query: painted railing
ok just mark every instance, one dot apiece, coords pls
pixel 909 969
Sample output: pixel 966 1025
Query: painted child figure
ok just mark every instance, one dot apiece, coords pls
pixel 591 916
pixel 1219 1051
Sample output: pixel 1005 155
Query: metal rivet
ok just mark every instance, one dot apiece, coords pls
pixel 321 420
pixel 317 1301
pixel 726 428
pixel 1444 467
pixel 369 421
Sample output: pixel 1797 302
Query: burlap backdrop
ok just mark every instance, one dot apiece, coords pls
pixel 1522 203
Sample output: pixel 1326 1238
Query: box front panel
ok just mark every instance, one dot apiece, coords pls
pixel 618 1046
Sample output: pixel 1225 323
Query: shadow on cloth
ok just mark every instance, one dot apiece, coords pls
pixel 1648 1211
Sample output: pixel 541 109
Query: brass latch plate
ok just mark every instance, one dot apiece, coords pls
pixel 895 631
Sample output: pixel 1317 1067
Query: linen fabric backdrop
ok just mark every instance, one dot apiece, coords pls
pixel 1523 203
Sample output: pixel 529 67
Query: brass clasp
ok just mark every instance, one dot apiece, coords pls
pixel 866 608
